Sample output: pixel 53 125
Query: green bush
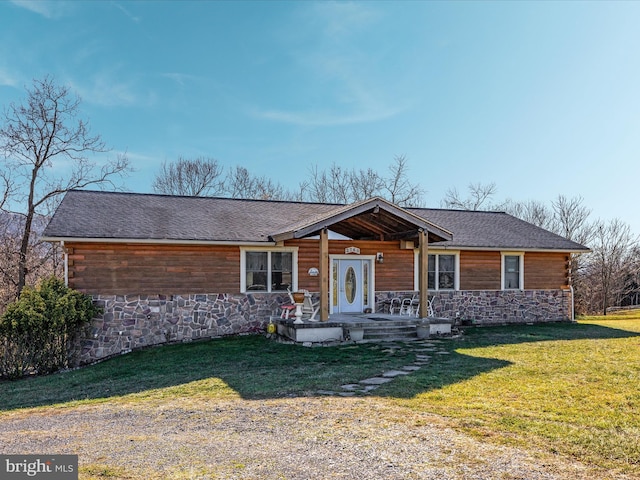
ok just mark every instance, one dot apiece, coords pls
pixel 37 331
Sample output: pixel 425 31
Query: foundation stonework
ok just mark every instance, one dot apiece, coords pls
pixel 504 307
pixel 134 321
pixel 129 322
pixel 495 307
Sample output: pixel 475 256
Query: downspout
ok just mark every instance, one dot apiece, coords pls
pixel 66 264
pixel 573 305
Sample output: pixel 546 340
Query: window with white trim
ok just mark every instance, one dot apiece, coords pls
pixel 512 271
pixel 268 270
pixel 442 272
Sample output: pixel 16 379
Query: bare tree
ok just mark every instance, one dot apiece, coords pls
pixel 571 219
pixel 329 186
pixel 399 187
pixel 340 185
pixel 198 177
pixel 531 211
pixel 366 184
pixel 631 290
pixel 239 183
pixel 34 137
pixel 478 198
pixel 612 247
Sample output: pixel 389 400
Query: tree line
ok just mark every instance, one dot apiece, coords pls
pixel 48 149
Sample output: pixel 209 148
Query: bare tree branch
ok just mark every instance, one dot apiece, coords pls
pixel 400 190
pixel 239 183
pixel 34 136
pixel 198 177
pixel 532 211
pixel 479 196
pixel 612 248
pixel 339 185
pixel 8 188
pixel 571 219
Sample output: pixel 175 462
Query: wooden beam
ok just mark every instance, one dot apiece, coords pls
pixel 324 275
pixel 423 273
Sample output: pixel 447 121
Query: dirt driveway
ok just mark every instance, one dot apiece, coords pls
pixel 293 438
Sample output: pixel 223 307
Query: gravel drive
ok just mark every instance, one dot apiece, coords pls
pixel 293 438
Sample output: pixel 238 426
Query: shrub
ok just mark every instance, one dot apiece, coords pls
pixel 37 331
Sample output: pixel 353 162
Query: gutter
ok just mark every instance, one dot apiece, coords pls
pixel 505 248
pixel 155 241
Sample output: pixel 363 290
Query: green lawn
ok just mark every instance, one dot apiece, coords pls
pixel 573 389
pixel 250 367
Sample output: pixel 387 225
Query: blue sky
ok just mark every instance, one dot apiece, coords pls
pixel 542 98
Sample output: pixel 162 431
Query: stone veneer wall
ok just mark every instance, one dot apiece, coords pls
pixel 508 306
pixel 489 307
pixel 135 321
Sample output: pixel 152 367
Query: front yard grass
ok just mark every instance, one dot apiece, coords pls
pixel 250 367
pixel 570 389
pixel 573 389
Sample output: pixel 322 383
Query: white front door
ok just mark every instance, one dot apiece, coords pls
pixel 352 284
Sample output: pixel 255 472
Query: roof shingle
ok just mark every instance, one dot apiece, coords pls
pixel 134 216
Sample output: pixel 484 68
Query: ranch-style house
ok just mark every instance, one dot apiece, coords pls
pixel 170 268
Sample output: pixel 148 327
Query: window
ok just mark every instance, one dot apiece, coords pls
pixel 442 271
pixel 268 270
pixel 365 281
pixel 512 271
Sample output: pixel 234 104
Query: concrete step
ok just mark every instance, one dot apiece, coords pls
pixel 390 331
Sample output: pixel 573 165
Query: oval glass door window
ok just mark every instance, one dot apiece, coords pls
pixel 350 284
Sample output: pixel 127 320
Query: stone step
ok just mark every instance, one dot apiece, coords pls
pixel 390 332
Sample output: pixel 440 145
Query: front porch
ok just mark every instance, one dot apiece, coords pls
pixel 362 327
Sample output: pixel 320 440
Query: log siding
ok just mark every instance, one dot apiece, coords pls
pixel 545 270
pixel 122 269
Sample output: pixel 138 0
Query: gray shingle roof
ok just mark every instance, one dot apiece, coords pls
pixel 479 229
pixel 108 215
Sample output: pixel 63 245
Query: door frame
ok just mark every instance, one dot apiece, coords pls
pixel 333 305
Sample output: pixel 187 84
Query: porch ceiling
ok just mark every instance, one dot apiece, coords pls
pixel 377 226
pixel 374 219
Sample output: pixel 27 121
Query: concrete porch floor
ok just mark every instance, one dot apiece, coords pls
pixel 360 327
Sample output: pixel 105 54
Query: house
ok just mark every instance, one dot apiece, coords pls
pixel 169 268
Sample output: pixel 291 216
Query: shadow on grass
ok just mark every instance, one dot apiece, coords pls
pixel 257 368
pixel 509 335
pixel 457 367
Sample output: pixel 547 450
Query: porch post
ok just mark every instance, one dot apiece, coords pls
pixel 324 275
pixel 423 270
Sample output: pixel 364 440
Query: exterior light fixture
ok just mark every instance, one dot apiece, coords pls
pixel 380 257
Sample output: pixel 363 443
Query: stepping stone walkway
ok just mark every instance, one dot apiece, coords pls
pixel 375 380
pixel 367 385
pixel 394 373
